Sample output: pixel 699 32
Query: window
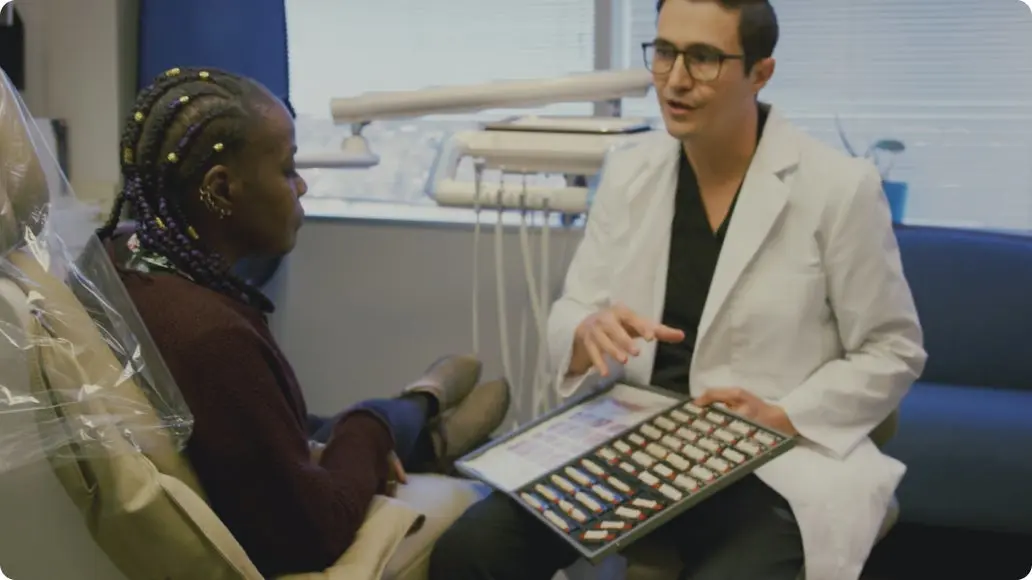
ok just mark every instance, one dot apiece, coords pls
pixel 949 78
pixel 348 48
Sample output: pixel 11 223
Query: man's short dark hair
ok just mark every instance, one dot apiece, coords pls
pixel 757 27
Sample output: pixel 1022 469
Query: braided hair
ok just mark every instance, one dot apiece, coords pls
pixel 183 124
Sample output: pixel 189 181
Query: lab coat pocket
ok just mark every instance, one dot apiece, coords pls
pixel 776 321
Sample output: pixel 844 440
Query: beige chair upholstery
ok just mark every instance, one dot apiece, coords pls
pixel 138 497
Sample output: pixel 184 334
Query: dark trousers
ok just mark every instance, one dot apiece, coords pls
pixel 745 532
pixel 407 418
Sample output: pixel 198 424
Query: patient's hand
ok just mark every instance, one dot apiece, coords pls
pixel 316 450
pixel 396 475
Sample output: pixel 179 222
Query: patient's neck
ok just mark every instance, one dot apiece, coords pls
pixel 208 243
pixel 214 238
pixel 229 253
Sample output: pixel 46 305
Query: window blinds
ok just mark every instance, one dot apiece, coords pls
pixel 950 78
pixel 346 48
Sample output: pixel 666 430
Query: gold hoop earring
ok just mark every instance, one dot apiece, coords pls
pixel 209 201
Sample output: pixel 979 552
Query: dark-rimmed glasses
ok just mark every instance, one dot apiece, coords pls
pixel 702 63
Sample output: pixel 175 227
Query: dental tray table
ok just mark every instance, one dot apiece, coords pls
pixel 607 468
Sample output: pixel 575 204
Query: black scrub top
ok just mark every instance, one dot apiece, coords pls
pixel 694 250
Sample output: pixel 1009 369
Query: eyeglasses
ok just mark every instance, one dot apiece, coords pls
pixel 702 64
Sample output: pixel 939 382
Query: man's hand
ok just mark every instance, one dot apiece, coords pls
pixel 395 475
pixel 612 332
pixel 751 407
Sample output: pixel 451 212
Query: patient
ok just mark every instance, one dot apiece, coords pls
pixel 208 164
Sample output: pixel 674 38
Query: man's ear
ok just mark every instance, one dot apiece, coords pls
pixel 220 184
pixel 761 73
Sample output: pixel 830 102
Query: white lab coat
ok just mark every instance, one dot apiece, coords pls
pixel 808 308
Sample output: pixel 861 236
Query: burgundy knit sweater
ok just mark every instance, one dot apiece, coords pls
pixel 249 446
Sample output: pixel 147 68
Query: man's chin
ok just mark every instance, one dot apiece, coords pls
pixel 679 129
pixel 680 132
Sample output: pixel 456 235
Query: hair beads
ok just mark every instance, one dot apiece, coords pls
pixel 179 126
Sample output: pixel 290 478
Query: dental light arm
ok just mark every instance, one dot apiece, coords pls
pixel 359 111
pixel 579 88
pixel 332 160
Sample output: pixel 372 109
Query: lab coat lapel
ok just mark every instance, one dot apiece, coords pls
pixel 650 203
pixel 760 202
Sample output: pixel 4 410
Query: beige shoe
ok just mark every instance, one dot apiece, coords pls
pixel 449 380
pixel 471 423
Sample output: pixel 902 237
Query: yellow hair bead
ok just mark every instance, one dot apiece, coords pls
pixel 127 155
pixel 172 158
pixel 218 147
pixel 184 99
pixel 160 223
pixel 192 232
pixel 204 74
pixel 138 117
pixel 172 72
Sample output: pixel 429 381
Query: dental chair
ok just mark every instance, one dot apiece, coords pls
pixel 90 424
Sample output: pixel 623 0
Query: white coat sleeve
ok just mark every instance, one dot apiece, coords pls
pixel 587 286
pixel 840 404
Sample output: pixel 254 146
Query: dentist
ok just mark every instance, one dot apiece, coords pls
pixel 740 261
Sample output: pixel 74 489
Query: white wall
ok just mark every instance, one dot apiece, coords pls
pixel 81 67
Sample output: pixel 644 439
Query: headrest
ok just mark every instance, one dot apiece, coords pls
pixel 23 184
pixel 99 384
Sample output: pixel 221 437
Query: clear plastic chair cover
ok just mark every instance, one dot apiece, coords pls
pixel 79 375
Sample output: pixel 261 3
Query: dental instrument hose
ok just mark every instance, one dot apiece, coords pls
pixel 521 364
pixel 545 386
pixel 503 321
pixel 533 294
pixel 525 251
pixel 478 182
